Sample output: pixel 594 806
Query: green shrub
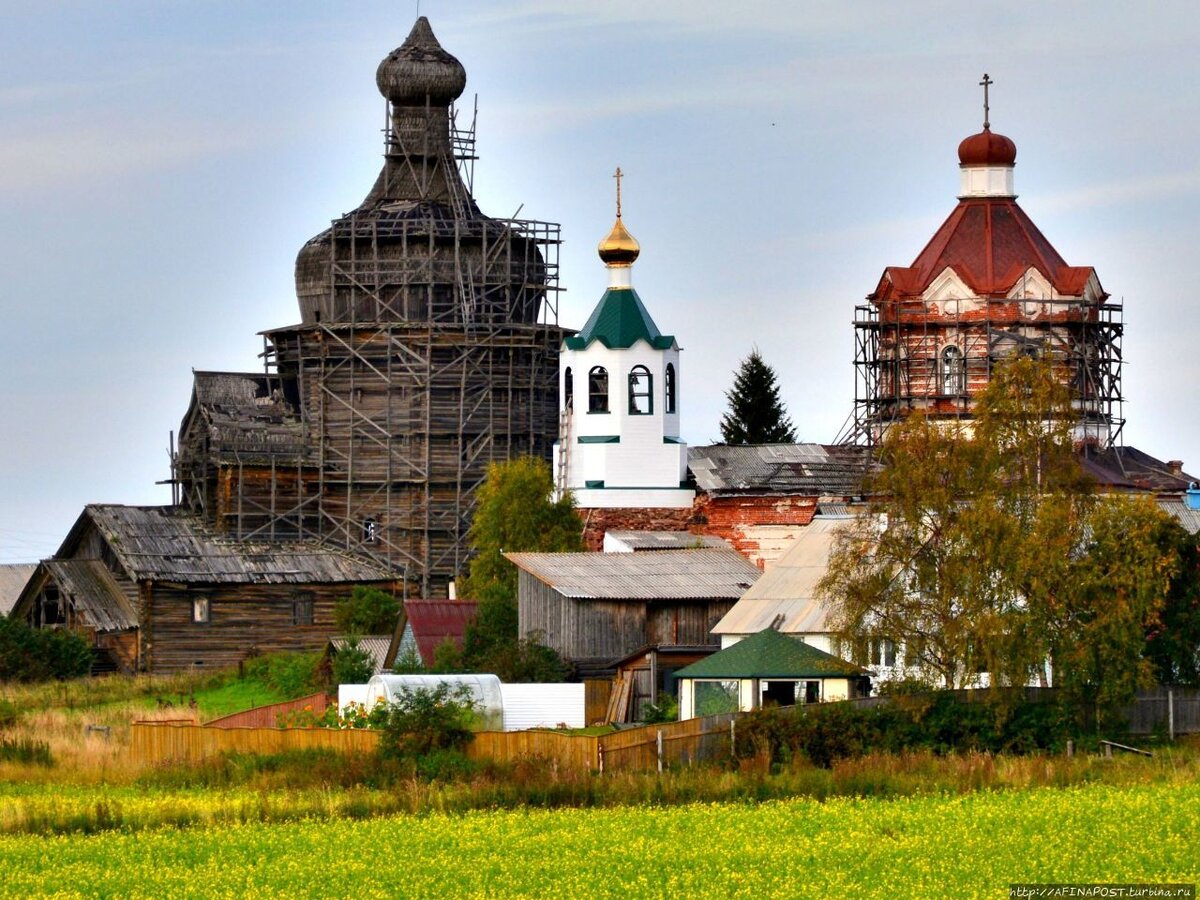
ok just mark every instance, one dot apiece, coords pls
pixel 352 664
pixel 425 720
pixel 367 611
pixel 291 674
pixel 665 710
pixel 41 654
pixel 940 722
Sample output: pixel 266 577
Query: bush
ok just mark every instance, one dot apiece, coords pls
pixel 665 710
pixel 352 664
pixel 291 674
pixel 938 722
pixel 41 654
pixel 425 720
pixel 367 611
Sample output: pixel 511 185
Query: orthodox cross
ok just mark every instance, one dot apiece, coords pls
pixel 617 176
pixel 985 83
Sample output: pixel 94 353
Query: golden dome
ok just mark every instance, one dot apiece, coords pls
pixel 619 249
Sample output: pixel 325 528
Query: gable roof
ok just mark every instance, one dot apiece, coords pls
pixel 13 578
pixel 166 543
pixel 989 243
pixel 769 654
pixel 785 597
pixel 665 575
pixel 433 621
pixel 618 322
pixel 94 593
pixel 817 470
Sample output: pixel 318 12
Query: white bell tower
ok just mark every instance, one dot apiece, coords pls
pixel 619 390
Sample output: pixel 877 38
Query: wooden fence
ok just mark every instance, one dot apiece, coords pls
pixel 268 716
pixel 631 749
pixel 1169 711
pixel 155 743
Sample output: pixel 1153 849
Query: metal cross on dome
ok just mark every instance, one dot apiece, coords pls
pixel 617 176
pixel 987 82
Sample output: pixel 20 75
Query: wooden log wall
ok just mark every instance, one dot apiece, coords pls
pixel 244 620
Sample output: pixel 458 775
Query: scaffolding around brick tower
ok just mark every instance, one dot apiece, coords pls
pixel 898 367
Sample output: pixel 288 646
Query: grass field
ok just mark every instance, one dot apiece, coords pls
pixel 972 845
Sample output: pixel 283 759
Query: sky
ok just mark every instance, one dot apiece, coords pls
pixel 162 163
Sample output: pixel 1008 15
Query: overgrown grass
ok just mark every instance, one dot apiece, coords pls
pixel 326 785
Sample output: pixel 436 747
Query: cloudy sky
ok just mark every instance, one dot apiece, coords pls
pixel 161 163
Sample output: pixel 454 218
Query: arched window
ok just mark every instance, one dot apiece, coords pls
pixel 598 390
pixel 954 371
pixel 568 389
pixel 641 398
pixel 670 387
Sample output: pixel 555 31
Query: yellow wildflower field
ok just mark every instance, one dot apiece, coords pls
pixel 970 845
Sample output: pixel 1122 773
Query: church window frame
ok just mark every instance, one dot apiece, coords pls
pixel 568 389
pixel 953 370
pixel 670 399
pixel 597 390
pixel 641 391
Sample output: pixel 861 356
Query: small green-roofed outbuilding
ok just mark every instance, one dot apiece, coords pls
pixel 764 668
pixel 772 654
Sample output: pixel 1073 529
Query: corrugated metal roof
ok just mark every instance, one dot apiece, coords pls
pixel 769 654
pixel 432 622
pixel 812 469
pixel 94 593
pixel 13 578
pixel 165 543
pixel 665 575
pixel 1188 518
pixel 788 588
pixel 375 646
pixel 666 540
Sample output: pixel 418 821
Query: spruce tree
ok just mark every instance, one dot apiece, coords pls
pixel 756 413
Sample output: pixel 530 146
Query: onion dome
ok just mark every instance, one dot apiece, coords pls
pixel 619 249
pixel 987 149
pixel 419 69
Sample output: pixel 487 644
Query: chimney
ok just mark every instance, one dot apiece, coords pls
pixel 1175 467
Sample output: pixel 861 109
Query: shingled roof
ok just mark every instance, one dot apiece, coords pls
pixel 817 470
pixel 165 543
pixel 769 654
pixel 619 321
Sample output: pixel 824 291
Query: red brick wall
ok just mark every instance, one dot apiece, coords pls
pixel 755 526
pixel 597 521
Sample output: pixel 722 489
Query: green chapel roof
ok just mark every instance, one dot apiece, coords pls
pixel 771 654
pixel 618 322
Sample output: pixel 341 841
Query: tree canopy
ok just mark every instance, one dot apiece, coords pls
pixel 987 549
pixel 756 413
pixel 515 511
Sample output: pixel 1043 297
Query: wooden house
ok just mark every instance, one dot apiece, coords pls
pixel 596 608
pixel 158 590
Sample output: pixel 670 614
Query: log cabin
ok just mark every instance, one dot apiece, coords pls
pixel 158 590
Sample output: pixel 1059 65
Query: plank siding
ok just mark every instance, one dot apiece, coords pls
pixel 244 620
pixel 597 632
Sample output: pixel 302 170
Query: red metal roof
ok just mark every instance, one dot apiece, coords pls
pixel 990 243
pixel 433 621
